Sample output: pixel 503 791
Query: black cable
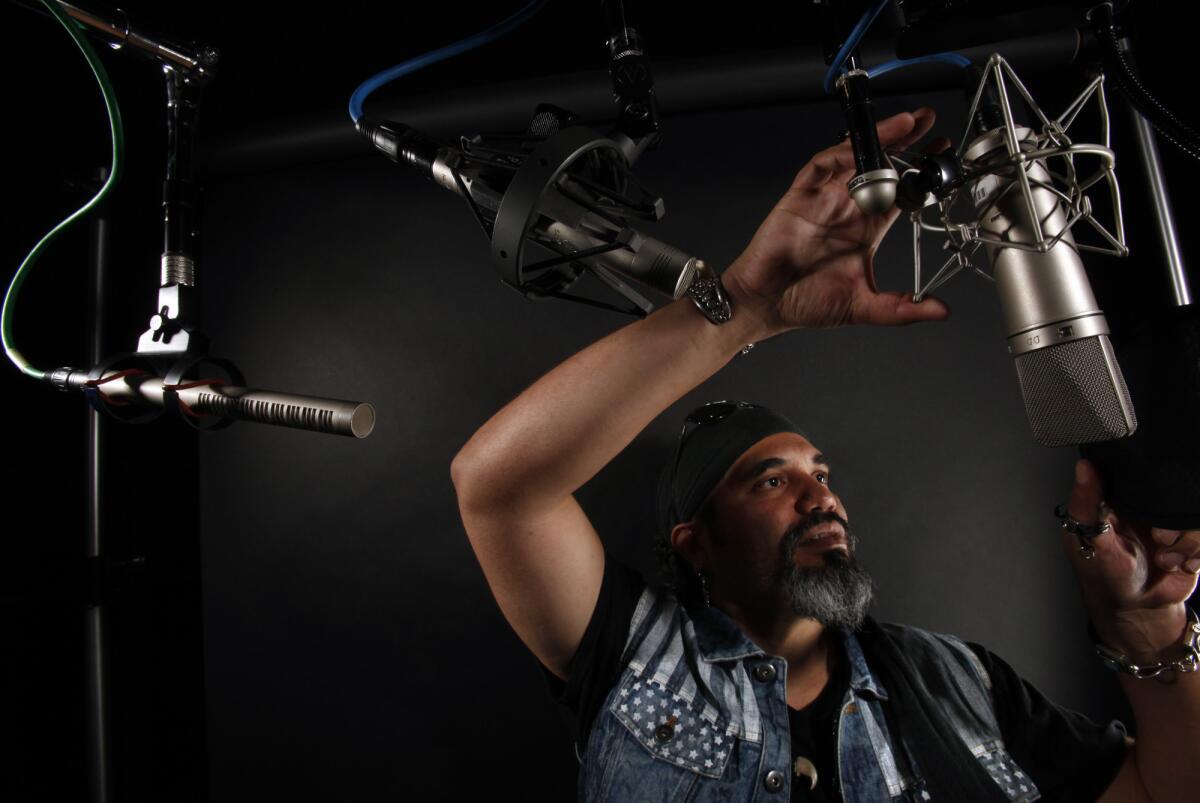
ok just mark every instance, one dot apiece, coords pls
pixel 1174 130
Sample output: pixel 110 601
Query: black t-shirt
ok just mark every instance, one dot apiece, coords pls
pixel 814 730
pixel 1069 757
pixel 596 666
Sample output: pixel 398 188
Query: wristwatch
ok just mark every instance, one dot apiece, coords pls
pixel 708 294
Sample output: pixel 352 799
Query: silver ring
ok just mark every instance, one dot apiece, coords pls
pixel 1084 532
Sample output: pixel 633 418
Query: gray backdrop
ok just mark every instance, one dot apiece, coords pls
pixel 353 650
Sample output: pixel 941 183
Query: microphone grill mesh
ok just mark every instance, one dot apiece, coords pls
pixel 1075 393
pixel 267 412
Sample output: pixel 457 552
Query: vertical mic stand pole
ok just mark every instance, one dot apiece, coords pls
pixel 96 667
pixel 186 72
pixel 1163 217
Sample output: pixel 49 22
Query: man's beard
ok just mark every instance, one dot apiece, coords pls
pixel 836 594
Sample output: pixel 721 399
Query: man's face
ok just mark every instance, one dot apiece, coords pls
pixel 780 537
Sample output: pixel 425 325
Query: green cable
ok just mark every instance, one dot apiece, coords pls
pixel 118 158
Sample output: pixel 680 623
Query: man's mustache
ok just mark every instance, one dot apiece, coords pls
pixel 798 531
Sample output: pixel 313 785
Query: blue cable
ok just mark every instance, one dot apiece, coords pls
pixel 956 59
pixel 852 41
pixel 470 43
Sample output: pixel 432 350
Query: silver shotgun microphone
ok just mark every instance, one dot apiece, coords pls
pixel 216 399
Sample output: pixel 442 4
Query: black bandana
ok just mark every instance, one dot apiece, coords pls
pixel 709 449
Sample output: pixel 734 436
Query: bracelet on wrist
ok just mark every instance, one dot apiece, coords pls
pixel 1188 662
pixel 708 294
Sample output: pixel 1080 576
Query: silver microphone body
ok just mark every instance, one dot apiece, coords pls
pixel 1071 383
pixel 652 262
pixel 330 416
pixel 570 227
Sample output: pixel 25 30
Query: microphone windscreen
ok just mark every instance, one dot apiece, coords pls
pixel 1074 393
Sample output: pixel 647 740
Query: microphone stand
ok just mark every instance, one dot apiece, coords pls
pixel 95 615
pixel 1164 218
pixel 186 72
pixel 174 325
pixel 156 624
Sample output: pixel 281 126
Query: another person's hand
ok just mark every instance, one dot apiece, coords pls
pixel 810 262
pixel 1138 578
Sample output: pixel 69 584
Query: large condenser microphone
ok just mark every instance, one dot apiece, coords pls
pixel 556 201
pixel 562 189
pixel 1070 380
pixel 1057 334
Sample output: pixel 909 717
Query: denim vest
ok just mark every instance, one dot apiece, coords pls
pixel 700 714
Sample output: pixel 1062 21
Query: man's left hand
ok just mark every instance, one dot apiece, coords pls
pixel 1135 584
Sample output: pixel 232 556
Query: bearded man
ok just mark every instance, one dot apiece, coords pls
pixel 757 675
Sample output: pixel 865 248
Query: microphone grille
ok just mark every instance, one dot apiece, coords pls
pixel 1075 393
pixel 549 119
pixel 279 413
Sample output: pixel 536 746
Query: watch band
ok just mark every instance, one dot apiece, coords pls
pixel 708 294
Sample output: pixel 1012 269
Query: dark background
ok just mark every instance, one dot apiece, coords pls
pixel 301 616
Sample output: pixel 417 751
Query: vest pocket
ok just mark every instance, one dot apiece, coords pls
pixel 671 729
pixel 1005 772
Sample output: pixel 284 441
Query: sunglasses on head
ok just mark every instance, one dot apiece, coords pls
pixel 705 415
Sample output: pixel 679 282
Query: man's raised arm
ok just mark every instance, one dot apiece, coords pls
pixel 808 265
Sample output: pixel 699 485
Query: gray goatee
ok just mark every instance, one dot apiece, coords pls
pixel 836 594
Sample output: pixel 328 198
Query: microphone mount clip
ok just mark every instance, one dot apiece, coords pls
pixel 557 202
pixel 1009 151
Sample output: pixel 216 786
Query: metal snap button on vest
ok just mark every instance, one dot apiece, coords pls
pixel 773 781
pixel 666 730
pixel 764 672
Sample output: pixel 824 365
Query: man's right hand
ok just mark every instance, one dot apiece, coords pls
pixel 810 262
